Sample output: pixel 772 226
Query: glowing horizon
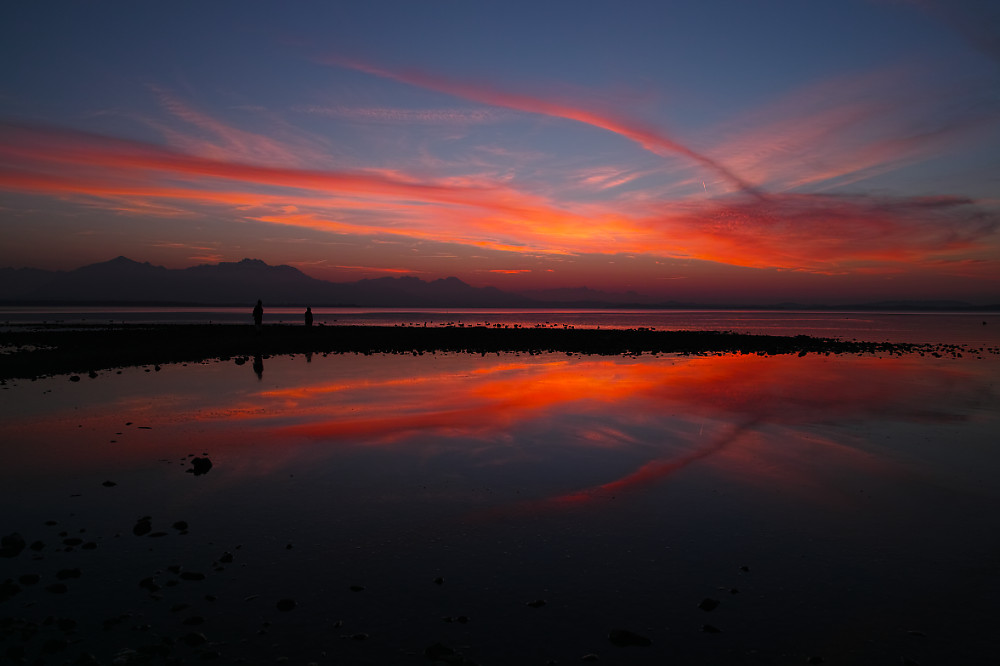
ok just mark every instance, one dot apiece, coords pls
pixel 832 178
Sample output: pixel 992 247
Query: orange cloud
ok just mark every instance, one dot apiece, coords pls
pixel 809 232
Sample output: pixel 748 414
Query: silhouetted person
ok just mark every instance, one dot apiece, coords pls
pixel 258 366
pixel 309 316
pixel 258 315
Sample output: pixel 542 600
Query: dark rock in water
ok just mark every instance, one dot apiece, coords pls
pixel 199 466
pixel 625 638
pixel 54 645
pixel 66 624
pixel 57 588
pixel 12 545
pixel 28 579
pixel 814 660
pixel 90 545
pixel 74 378
pixel 357 588
pixel 590 657
pixel 537 603
pixel 149 584
pixel 710 629
pixel 439 651
pixel 64 574
pixel 37 545
pixel 192 575
pixel 708 604
pixel 8 588
pixel 360 637
pixel 72 541
pixel 286 604
pixel 143 526
pixel 194 639
pixel 193 621
pixel 109 484
pixel 180 525
pixel 439 581
pixel 226 558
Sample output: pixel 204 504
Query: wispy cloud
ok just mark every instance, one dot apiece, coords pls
pixel 394 115
pixel 650 138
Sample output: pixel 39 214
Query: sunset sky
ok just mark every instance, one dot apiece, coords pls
pixel 712 151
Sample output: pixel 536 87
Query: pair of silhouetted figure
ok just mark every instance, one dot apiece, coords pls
pixel 258 316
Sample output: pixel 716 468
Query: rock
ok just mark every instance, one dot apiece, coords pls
pixel 199 466
pixel 708 604
pixel 109 484
pixel 285 605
pixel 814 660
pixel 226 558
pixel 180 525
pixel 537 603
pixel 74 378
pixel 438 651
pixel 710 629
pixel 8 589
pixel 64 574
pixel 28 579
pixel 192 575
pixel 357 588
pixel 12 545
pixel 194 639
pixel 439 581
pixel 57 588
pixel 625 638
pixel 143 526
pixel 590 657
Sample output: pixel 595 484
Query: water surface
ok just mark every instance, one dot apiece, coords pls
pixel 834 506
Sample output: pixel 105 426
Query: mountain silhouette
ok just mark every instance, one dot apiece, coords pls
pixel 122 280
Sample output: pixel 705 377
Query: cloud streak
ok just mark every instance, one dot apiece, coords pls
pixel 647 137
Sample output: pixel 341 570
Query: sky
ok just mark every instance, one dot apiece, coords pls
pixel 712 151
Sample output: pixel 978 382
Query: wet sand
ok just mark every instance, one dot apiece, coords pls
pixel 36 351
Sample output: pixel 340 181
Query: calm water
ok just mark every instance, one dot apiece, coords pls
pixel 838 507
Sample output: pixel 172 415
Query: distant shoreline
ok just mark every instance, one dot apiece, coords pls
pixel 888 307
pixel 38 351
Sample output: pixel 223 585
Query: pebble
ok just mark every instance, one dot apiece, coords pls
pixel 708 604
pixel 625 638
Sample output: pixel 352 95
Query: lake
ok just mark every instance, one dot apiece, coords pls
pixel 499 509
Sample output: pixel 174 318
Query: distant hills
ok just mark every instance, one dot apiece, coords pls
pixel 122 281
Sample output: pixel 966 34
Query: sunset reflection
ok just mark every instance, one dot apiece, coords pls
pixel 751 414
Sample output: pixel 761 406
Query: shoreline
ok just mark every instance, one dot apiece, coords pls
pixel 38 351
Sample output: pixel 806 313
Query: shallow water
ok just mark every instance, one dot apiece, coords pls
pixel 835 506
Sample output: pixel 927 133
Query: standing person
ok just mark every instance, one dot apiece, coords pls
pixel 309 316
pixel 258 315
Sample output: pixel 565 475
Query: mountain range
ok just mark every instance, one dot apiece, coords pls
pixel 123 281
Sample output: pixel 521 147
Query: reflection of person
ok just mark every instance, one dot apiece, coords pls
pixel 258 315
pixel 309 316
pixel 258 366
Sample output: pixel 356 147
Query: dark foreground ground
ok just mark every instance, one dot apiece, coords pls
pixel 38 351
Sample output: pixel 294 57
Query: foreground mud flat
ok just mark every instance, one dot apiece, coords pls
pixel 35 351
